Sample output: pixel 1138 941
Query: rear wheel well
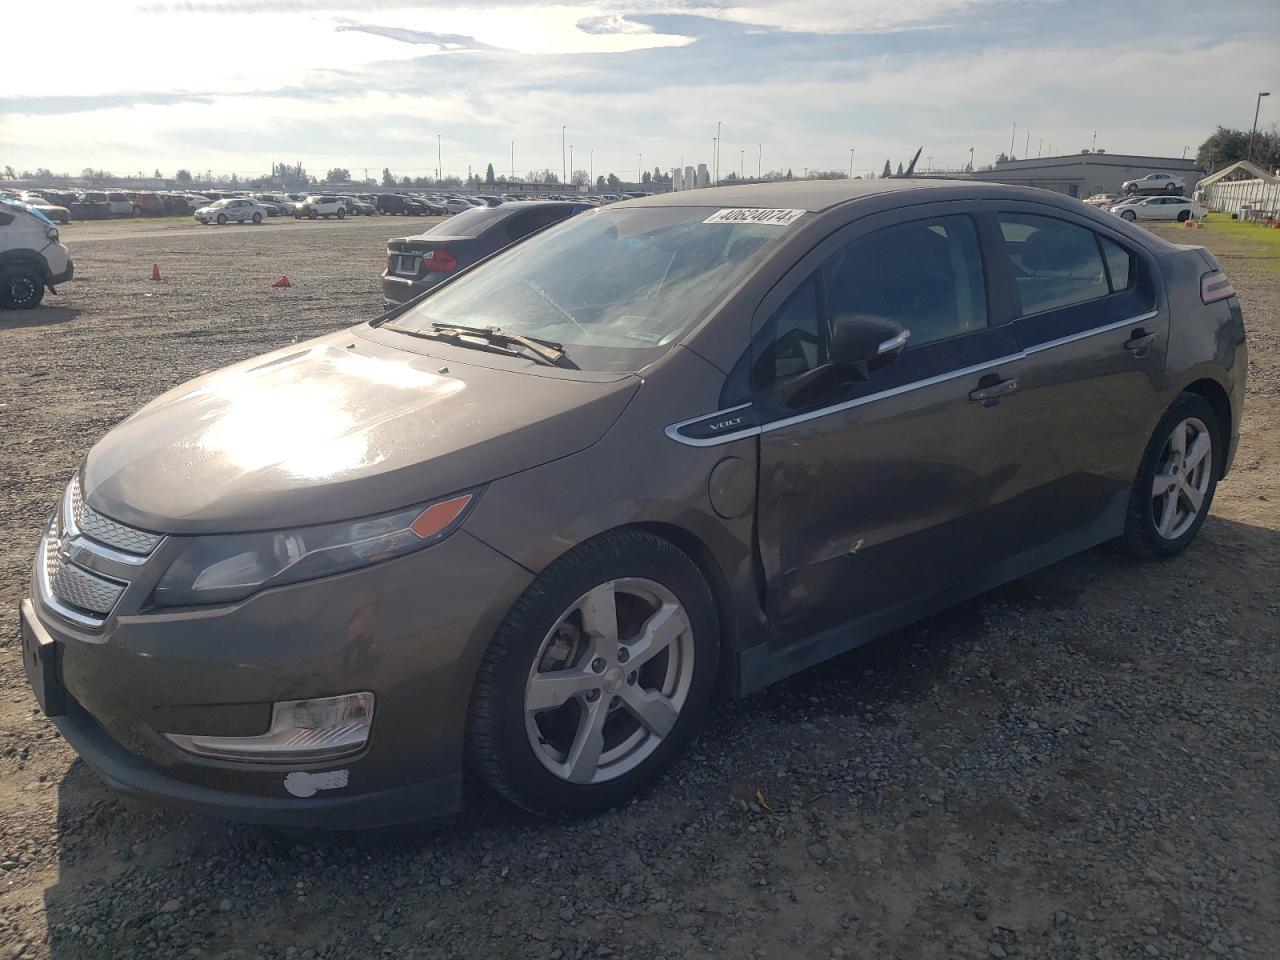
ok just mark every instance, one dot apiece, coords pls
pixel 706 562
pixel 1217 398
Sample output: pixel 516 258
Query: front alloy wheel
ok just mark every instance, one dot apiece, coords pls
pixel 597 678
pixel 609 681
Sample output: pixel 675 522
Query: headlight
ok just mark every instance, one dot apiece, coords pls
pixel 230 567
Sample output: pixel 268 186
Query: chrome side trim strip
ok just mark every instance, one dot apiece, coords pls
pixel 672 431
pixel 1085 334
pixel 891 392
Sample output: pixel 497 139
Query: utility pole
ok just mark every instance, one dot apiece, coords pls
pixel 566 183
pixel 1184 152
pixel 971 159
pixel 439 160
pixel 1249 153
pixel 591 168
pixel 639 166
pixel 1040 148
pixel 1012 137
pixel 1026 151
pixel 1094 147
pixel 513 159
pixel 742 164
pixel 851 163
pixel 759 160
pixel 562 176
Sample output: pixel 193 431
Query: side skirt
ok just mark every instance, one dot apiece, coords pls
pixel 765 664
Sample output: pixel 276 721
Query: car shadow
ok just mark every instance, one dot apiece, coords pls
pixel 138 880
pixel 42 316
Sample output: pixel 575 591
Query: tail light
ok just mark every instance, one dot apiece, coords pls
pixel 440 260
pixel 1215 286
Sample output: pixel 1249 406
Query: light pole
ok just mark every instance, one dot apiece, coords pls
pixel 715 148
pixel 1184 152
pixel 513 159
pixel 929 162
pixel 1040 148
pixel 570 164
pixel 1012 137
pixel 1249 153
pixel 742 164
pixel 639 166
pixel 439 160
pixel 971 159
pixel 851 163
pixel 759 160
pixel 716 159
pixel 591 168
pixel 562 130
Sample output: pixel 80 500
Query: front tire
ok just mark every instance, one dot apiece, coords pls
pixel 21 287
pixel 597 678
pixel 257 218
pixel 222 219
pixel 311 214
pixel 342 212
pixel 1128 215
pixel 1177 477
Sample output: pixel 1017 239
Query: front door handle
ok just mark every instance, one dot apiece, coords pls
pixel 1139 341
pixel 991 392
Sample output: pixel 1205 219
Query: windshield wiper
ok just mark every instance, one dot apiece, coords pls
pixel 544 351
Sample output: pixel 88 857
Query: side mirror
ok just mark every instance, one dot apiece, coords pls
pixel 862 343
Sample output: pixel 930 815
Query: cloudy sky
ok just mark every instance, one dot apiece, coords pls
pixel 232 85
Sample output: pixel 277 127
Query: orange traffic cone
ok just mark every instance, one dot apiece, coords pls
pixel 155 271
pixel 282 282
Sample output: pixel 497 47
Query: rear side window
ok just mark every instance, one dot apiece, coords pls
pixel 528 221
pixel 1119 265
pixel 1056 263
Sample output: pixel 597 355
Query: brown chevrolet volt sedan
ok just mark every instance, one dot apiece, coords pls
pixel 525 526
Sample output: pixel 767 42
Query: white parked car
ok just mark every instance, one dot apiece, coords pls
pixel 458 205
pixel 239 209
pixel 1154 183
pixel 1161 208
pixel 320 205
pixel 31 257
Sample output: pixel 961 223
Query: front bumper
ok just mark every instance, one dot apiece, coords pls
pixel 63 277
pixel 215 671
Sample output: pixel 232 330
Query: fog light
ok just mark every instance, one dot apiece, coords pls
pixel 301 730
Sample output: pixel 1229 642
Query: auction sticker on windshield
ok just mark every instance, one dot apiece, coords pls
pixel 776 218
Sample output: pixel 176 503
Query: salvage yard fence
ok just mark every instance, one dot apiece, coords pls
pixel 1259 199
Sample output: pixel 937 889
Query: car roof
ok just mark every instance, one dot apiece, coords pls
pixel 811 195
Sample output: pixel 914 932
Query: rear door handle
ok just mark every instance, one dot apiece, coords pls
pixel 1139 341
pixel 994 391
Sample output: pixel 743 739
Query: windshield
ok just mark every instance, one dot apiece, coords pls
pixel 616 287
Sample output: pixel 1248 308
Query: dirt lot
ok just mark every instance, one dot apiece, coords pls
pixel 1084 764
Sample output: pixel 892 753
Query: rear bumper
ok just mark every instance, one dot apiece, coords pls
pixel 397 290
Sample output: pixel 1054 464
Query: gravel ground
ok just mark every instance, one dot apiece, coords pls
pixel 1083 764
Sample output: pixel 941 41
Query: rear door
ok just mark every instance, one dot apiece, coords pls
pixel 876 494
pixel 1093 328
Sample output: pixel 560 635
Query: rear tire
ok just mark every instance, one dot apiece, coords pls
pixel 1176 480
pixel 222 219
pixel 342 213
pixel 21 287
pixel 1184 216
pixel 257 218
pixel 1128 215
pixel 588 749
pixel 311 214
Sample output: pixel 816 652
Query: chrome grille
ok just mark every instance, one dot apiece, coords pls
pixel 105 530
pixel 80 588
pixel 79 541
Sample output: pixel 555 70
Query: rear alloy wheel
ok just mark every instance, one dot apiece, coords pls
pixel 597 678
pixel 222 219
pixel 342 212
pixel 21 287
pixel 1174 488
pixel 1184 216
pixel 257 218
pixel 1128 215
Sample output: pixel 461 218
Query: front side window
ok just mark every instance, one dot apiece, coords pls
pixel 616 287
pixel 1056 263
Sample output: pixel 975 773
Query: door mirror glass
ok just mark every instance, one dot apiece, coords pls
pixel 862 343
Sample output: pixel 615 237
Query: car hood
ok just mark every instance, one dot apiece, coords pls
pixel 337 428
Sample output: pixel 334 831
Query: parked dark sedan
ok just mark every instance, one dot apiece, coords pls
pixel 395 203
pixel 524 525
pixel 416 264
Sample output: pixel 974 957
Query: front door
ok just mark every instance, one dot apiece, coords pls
pixel 876 494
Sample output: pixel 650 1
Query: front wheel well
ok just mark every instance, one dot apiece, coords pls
pixel 706 562
pixel 26 258
pixel 1216 397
